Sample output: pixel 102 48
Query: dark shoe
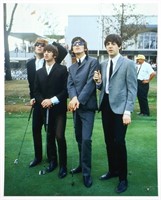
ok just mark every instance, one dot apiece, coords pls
pixel 34 162
pixel 51 167
pixel 145 115
pixel 108 176
pixel 76 170
pixel 122 186
pixel 87 181
pixel 62 172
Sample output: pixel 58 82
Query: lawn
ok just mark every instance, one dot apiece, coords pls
pixel 20 180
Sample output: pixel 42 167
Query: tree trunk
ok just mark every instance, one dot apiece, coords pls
pixel 6 45
pixel 7 59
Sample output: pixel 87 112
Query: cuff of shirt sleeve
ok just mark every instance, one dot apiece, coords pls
pixel 54 100
pixel 127 113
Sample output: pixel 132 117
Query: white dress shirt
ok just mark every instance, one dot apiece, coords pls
pixel 54 99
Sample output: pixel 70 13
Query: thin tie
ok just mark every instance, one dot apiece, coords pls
pixel 79 62
pixel 111 69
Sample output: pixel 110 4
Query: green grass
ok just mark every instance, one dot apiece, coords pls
pixel 141 139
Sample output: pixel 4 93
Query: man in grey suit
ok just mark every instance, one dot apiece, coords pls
pixel 117 82
pixel 83 104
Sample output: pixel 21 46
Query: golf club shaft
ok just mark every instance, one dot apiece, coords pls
pixel 25 131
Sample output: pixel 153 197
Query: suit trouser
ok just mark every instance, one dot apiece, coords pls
pixel 142 95
pixel 83 123
pixel 37 123
pixel 56 132
pixel 114 134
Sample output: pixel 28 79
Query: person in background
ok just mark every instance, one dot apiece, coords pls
pixel 50 91
pixel 145 74
pixel 117 83
pixel 83 104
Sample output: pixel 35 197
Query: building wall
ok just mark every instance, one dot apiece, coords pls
pixel 87 26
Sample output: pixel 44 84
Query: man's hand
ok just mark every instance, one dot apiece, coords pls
pixel 126 119
pixel 97 76
pixel 32 102
pixel 46 103
pixel 73 104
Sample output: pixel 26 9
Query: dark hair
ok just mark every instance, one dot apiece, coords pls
pixel 113 38
pixel 53 49
pixel 81 40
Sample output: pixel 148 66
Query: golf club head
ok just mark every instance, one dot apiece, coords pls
pixel 42 172
pixel 16 161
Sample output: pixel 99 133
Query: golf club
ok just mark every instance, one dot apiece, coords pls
pixel 73 183
pixel 17 159
pixel 44 171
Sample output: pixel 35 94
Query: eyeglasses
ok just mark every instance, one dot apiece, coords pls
pixel 78 43
pixel 39 44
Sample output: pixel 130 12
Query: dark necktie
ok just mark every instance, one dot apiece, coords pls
pixel 111 69
pixel 79 62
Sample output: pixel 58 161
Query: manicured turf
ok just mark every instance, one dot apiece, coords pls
pixel 141 139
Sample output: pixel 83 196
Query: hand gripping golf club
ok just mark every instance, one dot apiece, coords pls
pixel 44 171
pixel 17 159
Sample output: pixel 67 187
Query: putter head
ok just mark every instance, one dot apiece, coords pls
pixel 42 172
pixel 16 161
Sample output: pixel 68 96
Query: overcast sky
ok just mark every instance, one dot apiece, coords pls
pixel 56 13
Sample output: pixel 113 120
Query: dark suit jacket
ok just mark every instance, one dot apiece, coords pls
pixel 81 83
pixel 31 72
pixel 31 68
pixel 55 84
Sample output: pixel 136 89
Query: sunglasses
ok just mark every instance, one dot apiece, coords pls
pixel 39 44
pixel 78 43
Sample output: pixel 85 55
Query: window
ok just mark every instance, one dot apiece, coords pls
pixel 147 40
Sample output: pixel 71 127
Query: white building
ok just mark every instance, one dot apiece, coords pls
pixel 87 27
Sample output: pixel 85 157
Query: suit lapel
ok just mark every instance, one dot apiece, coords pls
pixel 104 71
pixel 118 65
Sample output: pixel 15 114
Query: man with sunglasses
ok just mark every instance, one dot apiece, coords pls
pixel 37 122
pixel 83 104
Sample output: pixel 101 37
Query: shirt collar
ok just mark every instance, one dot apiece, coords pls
pixel 115 59
pixel 81 59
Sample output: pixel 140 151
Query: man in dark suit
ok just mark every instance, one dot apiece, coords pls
pixel 118 85
pixel 37 122
pixel 50 91
pixel 32 66
pixel 83 103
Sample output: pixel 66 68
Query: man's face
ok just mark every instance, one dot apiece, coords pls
pixel 140 61
pixel 112 49
pixel 48 56
pixel 39 47
pixel 78 47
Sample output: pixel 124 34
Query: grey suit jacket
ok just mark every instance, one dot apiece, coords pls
pixel 81 83
pixel 122 86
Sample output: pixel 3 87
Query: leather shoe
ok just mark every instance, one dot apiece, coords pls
pixel 62 172
pixel 34 162
pixel 108 175
pixel 76 170
pixel 122 186
pixel 87 181
pixel 51 167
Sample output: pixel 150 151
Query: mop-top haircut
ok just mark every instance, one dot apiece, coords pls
pixel 53 49
pixel 41 40
pixel 79 39
pixel 113 38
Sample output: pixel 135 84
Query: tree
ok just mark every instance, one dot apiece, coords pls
pixel 128 26
pixel 7 30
